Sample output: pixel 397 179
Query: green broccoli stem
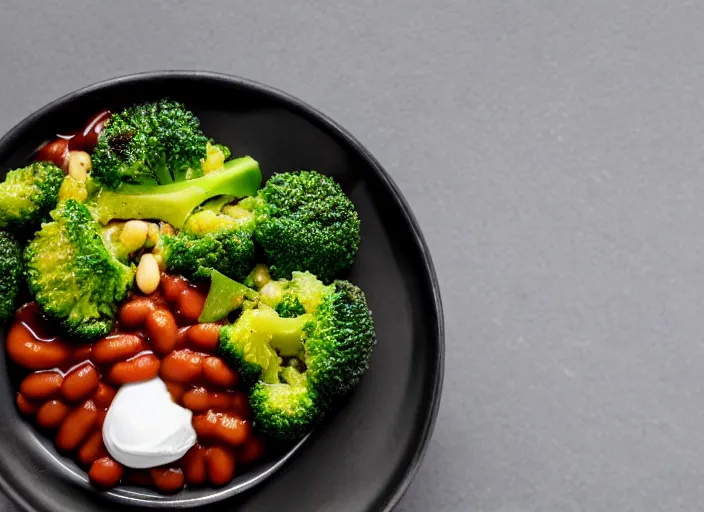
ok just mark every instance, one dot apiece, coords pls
pixel 292 376
pixel 285 334
pixel 173 203
pixel 225 295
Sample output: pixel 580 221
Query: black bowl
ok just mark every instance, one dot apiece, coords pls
pixel 364 456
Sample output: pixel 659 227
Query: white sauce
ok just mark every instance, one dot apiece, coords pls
pixel 144 428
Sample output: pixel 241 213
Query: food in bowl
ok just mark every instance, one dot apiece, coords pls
pixel 180 316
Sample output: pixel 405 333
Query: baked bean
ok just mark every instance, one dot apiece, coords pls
pixel 252 451
pixel 176 390
pixel 181 338
pixel 190 304
pixel 30 317
pixel 116 348
pixel 167 479
pixel 87 138
pixel 82 354
pixel 137 369
pixel 224 427
pixel 217 372
pixel 92 450
pixel 162 330
pixel 105 472
pixel 193 464
pixel 24 405
pixel 52 414
pixel 204 425
pixel 196 399
pixel 39 386
pixel 204 337
pixel 172 286
pixel 184 366
pixel 104 396
pixel 200 400
pixel 134 313
pixel 80 383
pixel 220 465
pixel 29 353
pixel 231 429
pixel 76 427
pixel 55 151
pixel 219 400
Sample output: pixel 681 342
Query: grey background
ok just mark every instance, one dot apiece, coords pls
pixel 553 153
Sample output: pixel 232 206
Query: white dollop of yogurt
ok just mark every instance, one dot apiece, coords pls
pixel 144 428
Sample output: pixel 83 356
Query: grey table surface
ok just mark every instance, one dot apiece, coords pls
pixel 553 154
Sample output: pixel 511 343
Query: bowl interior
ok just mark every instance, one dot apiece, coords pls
pixel 363 453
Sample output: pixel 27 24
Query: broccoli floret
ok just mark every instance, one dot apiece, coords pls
pixel 286 410
pixel 71 274
pixel 330 346
pixel 159 143
pixel 174 203
pixel 340 343
pixel 10 275
pixel 255 343
pixel 211 241
pixel 28 194
pixel 290 307
pixel 305 222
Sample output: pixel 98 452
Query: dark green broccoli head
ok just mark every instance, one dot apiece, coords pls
pixel 305 222
pixel 286 409
pixel 28 194
pixel 159 142
pixel 72 276
pixel 340 342
pixel 211 240
pixel 10 275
